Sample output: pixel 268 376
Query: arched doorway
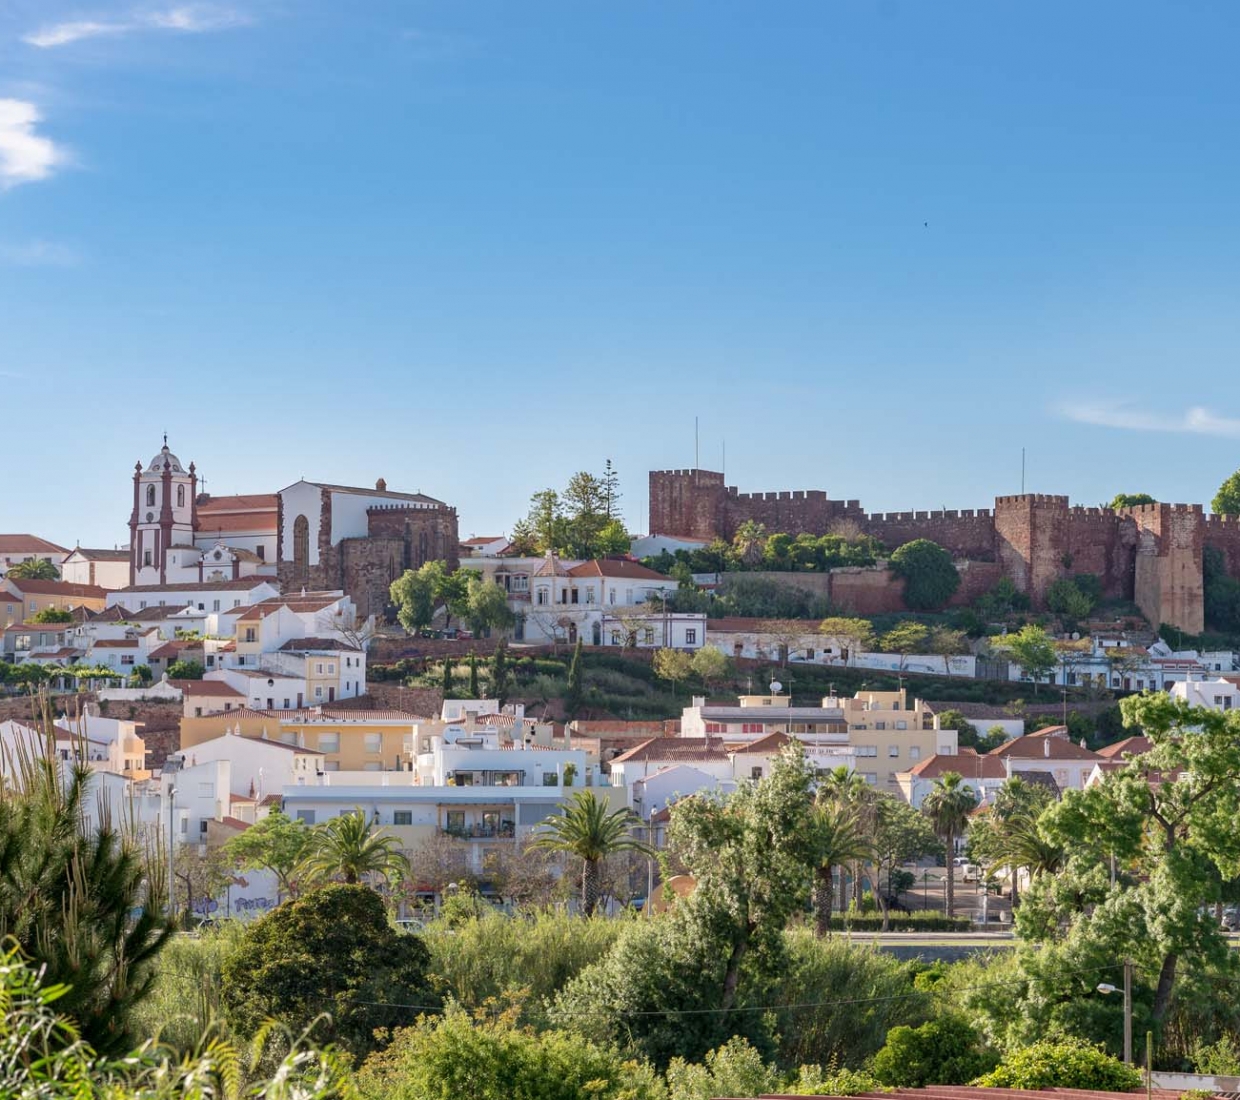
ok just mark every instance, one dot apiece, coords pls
pixel 572 633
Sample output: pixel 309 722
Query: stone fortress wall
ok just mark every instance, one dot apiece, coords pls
pixel 1150 554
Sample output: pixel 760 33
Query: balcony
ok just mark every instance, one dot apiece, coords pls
pixel 503 830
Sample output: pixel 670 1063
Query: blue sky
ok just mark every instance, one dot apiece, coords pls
pixel 473 246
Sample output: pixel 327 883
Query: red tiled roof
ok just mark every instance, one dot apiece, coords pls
pixel 213 688
pixel 1031 747
pixel 1133 746
pixel 116 643
pixel 685 749
pixel 57 588
pixel 969 1092
pixel 227 523
pixel 28 544
pixel 772 742
pixel 243 502
pixel 100 555
pixel 618 568
pixel 235 822
pixel 172 649
pixel 967 763
pixel 241 583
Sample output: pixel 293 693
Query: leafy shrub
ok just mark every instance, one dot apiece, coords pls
pixel 495 956
pixel 450 1056
pixel 1063 1063
pixel 735 1069
pixel 924 921
pixel 330 951
pixel 946 1051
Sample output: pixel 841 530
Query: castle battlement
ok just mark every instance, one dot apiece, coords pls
pixel 1092 515
pixel 1230 522
pixel 1034 498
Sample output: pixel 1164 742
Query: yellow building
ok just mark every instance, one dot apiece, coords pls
pixel 350 740
pixel 888 736
pixel 36 596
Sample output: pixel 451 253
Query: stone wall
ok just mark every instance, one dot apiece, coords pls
pixel 1033 538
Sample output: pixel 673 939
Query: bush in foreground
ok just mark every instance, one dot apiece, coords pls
pixel 1063 1063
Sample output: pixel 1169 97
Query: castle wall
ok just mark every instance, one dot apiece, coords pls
pixel 1033 538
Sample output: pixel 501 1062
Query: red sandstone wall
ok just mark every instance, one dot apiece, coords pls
pixel 966 533
pixel 1223 534
pixel 687 503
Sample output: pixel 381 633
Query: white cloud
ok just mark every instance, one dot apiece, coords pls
pixel 25 155
pixel 61 34
pixel 39 254
pixel 184 18
pixel 1193 421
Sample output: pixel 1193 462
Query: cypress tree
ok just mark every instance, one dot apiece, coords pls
pixel 500 675
pixel 474 693
pixel 574 691
pixel 447 677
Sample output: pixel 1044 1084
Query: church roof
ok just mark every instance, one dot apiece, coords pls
pixel 242 583
pixel 385 494
pixel 28 544
pixel 165 460
pixel 100 555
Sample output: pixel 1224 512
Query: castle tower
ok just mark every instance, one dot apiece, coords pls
pixel 164 515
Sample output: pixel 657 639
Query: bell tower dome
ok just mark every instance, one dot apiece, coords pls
pixel 164 515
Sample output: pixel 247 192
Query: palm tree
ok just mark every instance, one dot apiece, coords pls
pixel 750 542
pixel 839 838
pixel 849 788
pixel 587 830
pixel 948 806
pixel 349 847
pixel 1021 844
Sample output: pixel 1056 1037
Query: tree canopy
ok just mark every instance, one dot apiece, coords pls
pixel 1226 501
pixel 1131 500
pixel 33 569
pixel 930 575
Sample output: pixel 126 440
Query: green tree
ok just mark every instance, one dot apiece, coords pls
pixel 474 693
pixel 711 666
pixel 900 835
pixel 1063 1063
pixel 837 837
pixel 966 731
pixel 52 615
pixel 1031 648
pixel 1064 597
pixel 574 690
pixel 930 576
pixel 944 1051
pixel 585 506
pixel 904 638
pixel 186 670
pixel 413 594
pixel 611 491
pixel 500 674
pixel 948 805
pixel 749 543
pixel 613 538
pixel 33 569
pixel 141 675
pixel 588 829
pixel 672 665
pixel 349 847
pixel 486 607
pixel 275 843
pixel 331 962
pixel 489 1057
pixel 858 634
pixel 445 683
pixel 947 642
pixel 750 853
pixel 87 909
pixel 1226 501
pixel 1131 500
pixel 1161 817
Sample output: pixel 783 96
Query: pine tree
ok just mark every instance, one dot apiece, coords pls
pixel 474 693
pixel 447 677
pixel 501 677
pixel 611 491
pixel 573 693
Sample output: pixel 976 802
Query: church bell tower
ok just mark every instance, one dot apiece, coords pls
pixel 164 515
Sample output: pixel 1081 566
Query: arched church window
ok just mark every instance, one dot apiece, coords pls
pixel 301 547
pixel 180 496
pixel 150 496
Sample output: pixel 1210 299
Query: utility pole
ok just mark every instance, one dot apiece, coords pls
pixel 1127 1012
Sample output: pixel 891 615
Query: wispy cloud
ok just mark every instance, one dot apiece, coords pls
pixel 39 254
pixel 184 18
pixel 25 154
pixel 1193 421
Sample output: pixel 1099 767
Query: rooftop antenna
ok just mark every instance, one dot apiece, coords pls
pixel 696 456
pixel 1022 471
pixel 724 469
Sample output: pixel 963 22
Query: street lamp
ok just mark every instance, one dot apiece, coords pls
pixel 1105 988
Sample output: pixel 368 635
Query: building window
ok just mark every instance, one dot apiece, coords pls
pixel 880 725
pixel 755 772
pixel 589 595
pixel 454 821
pixel 261 551
pixel 127 659
pixel 215 605
pixel 206 790
pixel 329 742
pixel 286 706
pixel 615 637
pixel 306 815
pixel 402 817
pixel 146 560
pixel 893 751
pixel 202 825
pixel 373 742
pixel 866 750
pixel 914 753
pixel 901 725
pixel 318 669
pixel 690 637
pixel 540 596
pixel 150 496
pixel 180 496
pixel 318 693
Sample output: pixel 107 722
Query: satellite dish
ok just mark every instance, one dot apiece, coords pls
pixel 776 687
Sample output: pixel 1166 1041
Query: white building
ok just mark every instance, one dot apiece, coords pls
pixel 210 596
pixel 15 549
pixel 1217 694
pixel 102 568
